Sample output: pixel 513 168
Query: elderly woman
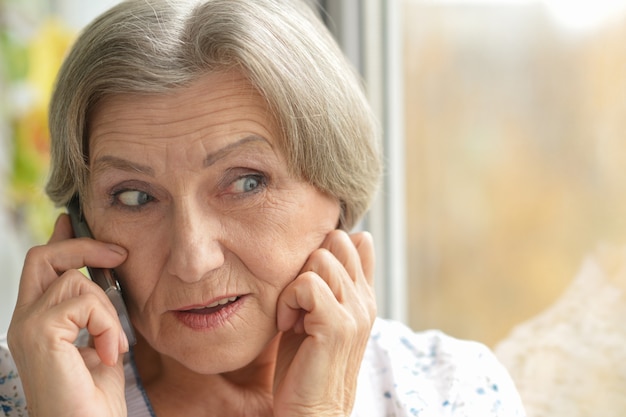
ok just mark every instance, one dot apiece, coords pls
pixel 222 150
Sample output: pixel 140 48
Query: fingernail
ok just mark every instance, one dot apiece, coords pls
pixel 117 249
pixel 124 340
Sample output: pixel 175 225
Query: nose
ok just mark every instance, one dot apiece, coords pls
pixel 195 248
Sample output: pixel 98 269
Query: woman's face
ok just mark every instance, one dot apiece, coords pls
pixel 194 186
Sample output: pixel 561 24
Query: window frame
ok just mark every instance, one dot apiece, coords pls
pixel 370 34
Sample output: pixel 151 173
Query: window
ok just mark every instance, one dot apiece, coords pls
pixel 503 136
pixel 515 113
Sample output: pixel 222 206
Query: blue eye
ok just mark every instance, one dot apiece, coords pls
pixel 133 198
pixel 248 183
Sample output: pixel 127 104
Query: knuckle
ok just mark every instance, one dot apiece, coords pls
pixel 365 314
pixel 90 299
pixel 337 234
pixel 337 238
pixel 308 279
pixel 368 312
pixel 34 254
pixel 68 282
pixel 320 256
pixel 365 239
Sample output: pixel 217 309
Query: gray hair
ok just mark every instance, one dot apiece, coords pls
pixel 329 135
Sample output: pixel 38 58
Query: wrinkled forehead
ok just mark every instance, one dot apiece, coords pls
pixel 216 101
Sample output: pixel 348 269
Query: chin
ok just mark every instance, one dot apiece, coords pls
pixel 209 353
pixel 223 358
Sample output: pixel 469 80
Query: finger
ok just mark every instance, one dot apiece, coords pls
pixel 325 264
pixel 73 284
pixel 89 312
pixel 337 262
pixel 341 246
pixel 72 303
pixel 364 244
pixel 308 293
pixel 338 265
pixel 43 264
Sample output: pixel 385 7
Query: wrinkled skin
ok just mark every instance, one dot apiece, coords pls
pixel 191 201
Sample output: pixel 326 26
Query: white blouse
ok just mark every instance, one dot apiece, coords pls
pixel 403 374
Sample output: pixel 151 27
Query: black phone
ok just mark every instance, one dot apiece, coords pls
pixel 105 278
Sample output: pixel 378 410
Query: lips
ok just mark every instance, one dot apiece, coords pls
pixel 213 307
pixel 209 316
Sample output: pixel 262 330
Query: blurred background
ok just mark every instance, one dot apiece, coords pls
pixel 515 154
pixel 514 124
pixel 34 37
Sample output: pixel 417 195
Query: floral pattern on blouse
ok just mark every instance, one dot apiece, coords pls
pixel 403 374
pixel 12 402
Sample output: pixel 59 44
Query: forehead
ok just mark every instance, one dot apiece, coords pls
pixel 216 103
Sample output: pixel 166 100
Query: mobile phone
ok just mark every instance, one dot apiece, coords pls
pixel 105 278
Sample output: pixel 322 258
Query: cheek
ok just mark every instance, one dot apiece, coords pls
pixel 276 250
pixel 138 275
pixel 265 249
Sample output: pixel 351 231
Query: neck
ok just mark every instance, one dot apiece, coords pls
pixel 176 390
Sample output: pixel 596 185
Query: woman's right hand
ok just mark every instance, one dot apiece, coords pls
pixel 55 302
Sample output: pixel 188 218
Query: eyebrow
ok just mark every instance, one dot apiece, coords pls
pixel 110 161
pixel 221 153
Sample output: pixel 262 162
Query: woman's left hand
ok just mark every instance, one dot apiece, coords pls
pixel 326 315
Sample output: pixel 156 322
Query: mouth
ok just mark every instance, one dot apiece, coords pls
pixel 209 316
pixel 214 307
